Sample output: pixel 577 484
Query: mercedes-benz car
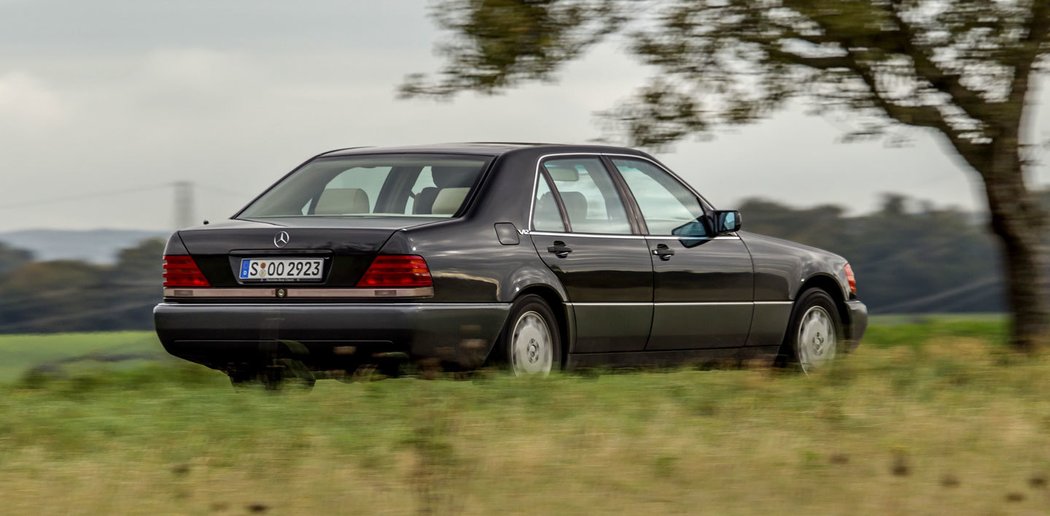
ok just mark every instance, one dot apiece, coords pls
pixel 536 256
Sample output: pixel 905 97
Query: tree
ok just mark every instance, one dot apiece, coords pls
pixel 12 258
pixel 68 295
pixel 963 69
pixel 909 255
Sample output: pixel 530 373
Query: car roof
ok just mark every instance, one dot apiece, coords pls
pixel 482 149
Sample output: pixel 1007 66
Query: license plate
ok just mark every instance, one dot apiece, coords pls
pixel 281 269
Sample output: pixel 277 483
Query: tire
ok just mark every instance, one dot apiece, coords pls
pixel 272 378
pixel 814 337
pixel 243 376
pixel 531 340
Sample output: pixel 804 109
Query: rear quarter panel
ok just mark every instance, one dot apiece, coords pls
pixel 466 259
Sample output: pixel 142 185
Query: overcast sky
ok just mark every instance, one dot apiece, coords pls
pixel 113 95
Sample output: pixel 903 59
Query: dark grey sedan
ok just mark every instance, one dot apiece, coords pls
pixel 536 256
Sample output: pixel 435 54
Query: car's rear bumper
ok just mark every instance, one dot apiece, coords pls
pixel 328 335
pixel 857 324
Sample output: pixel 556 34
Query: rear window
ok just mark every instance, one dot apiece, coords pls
pixel 394 185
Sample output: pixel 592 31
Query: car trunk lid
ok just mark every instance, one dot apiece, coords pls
pixel 346 247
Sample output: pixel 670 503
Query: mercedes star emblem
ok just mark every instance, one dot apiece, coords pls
pixel 281 239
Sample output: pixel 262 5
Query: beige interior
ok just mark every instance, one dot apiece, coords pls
pixel 448 200
pixel 342 201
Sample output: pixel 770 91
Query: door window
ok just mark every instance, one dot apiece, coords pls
pixel 668 206
pixel 588 196
pixel 547 216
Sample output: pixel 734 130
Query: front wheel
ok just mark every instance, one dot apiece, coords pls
pixel 815 334
pixel 531 339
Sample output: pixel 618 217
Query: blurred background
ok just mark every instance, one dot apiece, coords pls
pixel 122 120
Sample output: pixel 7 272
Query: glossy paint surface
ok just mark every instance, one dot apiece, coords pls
pixel 614 296
pixel 609 281
pixel 703 294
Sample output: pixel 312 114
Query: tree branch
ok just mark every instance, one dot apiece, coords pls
pixel 920 116
pixel 820 63
pixel 927 70
pixel 1031 46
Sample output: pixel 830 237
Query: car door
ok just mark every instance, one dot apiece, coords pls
pixel 582 231
pixel 703 283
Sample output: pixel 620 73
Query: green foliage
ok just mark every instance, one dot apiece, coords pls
pixel 962 68
pixel 506 41
pixel 920 402
pixel 64 295
pixel 950 66
pixel 908 256
pixel 11 258
pixel 57 355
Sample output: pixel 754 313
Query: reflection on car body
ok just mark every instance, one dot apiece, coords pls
pixel 537 256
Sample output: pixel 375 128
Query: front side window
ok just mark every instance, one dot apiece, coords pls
pixel 392 185
pixel 588 197
pixel 668 206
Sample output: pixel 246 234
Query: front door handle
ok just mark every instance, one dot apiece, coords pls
pixel 559 249
pixel 665 253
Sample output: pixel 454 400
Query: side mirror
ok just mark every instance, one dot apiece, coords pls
pixel 726 221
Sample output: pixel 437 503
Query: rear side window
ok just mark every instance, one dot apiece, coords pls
pixel 547 215
pixel 393 185
pixel 587 195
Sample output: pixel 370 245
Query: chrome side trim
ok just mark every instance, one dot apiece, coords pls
pixel 365 306
pixel 297 293
pixel 696 303
pixel 673 237
pixel 609 304
pixel 627 237
pixel 586 235
pixel 708 303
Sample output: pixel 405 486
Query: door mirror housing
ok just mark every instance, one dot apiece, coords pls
pixel 726 221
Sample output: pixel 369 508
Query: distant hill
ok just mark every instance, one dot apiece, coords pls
pixel 95 245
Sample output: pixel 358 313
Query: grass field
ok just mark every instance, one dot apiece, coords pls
pixel 931 416
pixel 21 353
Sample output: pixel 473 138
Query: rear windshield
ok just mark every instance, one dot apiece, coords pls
pixel 394 185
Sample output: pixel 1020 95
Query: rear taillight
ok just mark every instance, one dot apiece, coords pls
pixel 851 279
pixel 182 272
pixel 397 271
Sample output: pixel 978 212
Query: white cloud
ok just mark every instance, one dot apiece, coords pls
pixel 194 69
pixel 26 101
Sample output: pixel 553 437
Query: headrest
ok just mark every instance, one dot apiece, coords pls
pixel 559 173
pixel 342 201
pixel 454 177
pixel 448 200
pixel 575 205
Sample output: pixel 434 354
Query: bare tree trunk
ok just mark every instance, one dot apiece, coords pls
pixel 1017 219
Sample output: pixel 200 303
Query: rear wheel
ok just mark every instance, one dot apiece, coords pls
pixel 242 376
pixel 273 377
pixel 532 340
pixel 815 334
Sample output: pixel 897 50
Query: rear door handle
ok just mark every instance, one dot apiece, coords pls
pixel 559 249
pixel 665 253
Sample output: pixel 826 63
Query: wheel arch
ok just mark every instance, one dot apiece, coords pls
pixel 562 311
pixel 832 287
